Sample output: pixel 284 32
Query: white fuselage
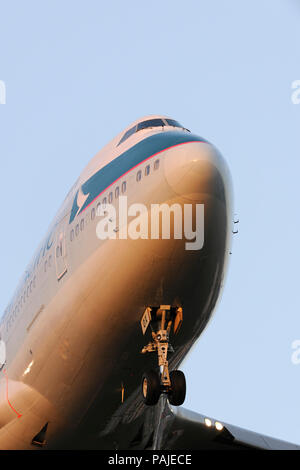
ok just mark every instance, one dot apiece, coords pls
pixel 72 330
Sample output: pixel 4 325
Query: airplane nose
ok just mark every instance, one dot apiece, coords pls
pixel 195 169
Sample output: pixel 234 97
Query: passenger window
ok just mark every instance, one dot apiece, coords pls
pixel 124 187
pixel 139 175
pixel 72 235
pixel 82 225
pixel 147 170
pixel 104 202
pixel 110 198
pixel 93 213
pixel 77 230
pixel 117 192
pixel 156 164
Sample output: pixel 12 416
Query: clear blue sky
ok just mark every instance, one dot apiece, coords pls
pixel 78 72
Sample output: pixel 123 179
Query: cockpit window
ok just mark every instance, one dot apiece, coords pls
pixel 173 123
pixel 150 123
pixel 127 134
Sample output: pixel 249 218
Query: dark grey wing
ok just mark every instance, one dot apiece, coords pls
pixel 181 429
pixel 162 427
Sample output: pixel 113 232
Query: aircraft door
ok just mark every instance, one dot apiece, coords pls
pixel 61 252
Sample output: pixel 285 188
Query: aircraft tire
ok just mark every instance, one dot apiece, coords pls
pixel 150 388
pixel 178 388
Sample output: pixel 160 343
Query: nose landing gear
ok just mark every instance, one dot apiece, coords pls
pixel 171 383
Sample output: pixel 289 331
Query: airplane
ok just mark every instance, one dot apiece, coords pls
pixel 105 313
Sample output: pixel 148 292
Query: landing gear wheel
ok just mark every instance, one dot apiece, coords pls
pixel 150 388
pixel 178 388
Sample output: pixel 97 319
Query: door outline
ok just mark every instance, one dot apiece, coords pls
pixel 61 252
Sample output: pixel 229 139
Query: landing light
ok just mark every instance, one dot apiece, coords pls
pixel 219 426
pixel 208 422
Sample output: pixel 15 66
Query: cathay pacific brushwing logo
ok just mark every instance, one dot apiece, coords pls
pixel 79 203
pixel 120 166
pixel 81 199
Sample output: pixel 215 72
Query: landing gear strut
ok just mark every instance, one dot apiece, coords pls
pixel 171 383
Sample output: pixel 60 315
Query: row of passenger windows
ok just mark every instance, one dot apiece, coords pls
pixel 27 291
pixel 80 226
pixel 147 170
pixel 21 302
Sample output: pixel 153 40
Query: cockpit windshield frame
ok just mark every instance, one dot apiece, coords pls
pixel 150 123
